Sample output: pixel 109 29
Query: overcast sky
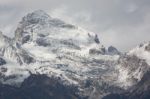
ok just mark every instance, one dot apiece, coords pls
pixel 122 23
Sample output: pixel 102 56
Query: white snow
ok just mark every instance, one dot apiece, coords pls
pixel 19 72
pixel 41 53
pixel 123 77
pixel 141 53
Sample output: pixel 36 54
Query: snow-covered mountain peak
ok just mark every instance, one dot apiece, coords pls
pixel 40 19
pixel 38 24
pixel 40 13
pixel 142 51
pixel 38 30
pixel 49 46
pixel 36 17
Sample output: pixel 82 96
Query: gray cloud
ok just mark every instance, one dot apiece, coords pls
pixel 122 23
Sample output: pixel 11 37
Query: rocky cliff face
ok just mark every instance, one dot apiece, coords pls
pixel 11 51
pixel 66 55
pixel 140 91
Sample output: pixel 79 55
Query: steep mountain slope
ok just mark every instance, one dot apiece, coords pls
pixel 39 30
pixel 139 91
pixel 73 56
pixel 11 60
pixel 139 67
pixel 12 52
pixel 142 51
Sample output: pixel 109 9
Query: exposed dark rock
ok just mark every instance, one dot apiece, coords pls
pixel 2 61
pixel 96 39
pixel 42 42
pixel 26 39
pixel 40 87
pixel 3 69
pixel 26 57
pixel 70 43
pixel 42 35
pixel 37 17
pixel 141 45
pixel 68 26
pixel 115 96
pixel 113 51
pixel 147 48
pixel 94 51
pixel 97 51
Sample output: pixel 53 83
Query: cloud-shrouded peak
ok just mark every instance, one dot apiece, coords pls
pixel 40 13
pixel 39 27
pixel 38 16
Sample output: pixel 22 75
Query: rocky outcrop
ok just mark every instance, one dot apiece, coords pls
pixel 95 51
pixel 2 61
pixel 147 48
pixel 13 52
pixel 113 51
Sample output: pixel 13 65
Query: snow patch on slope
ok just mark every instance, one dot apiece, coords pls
pixel 141 52
pixel 39 52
